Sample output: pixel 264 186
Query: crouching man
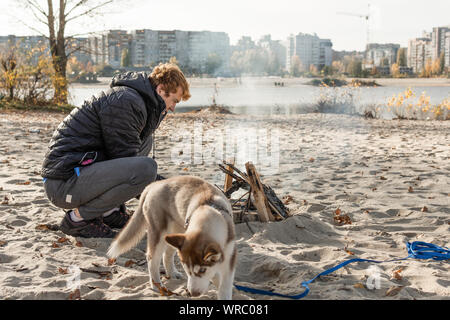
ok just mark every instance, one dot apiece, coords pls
pixel 97 158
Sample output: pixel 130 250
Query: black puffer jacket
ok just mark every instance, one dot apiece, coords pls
pixel 113 124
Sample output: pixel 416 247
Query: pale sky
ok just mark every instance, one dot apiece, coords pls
pixel 392 21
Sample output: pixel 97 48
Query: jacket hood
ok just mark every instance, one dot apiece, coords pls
pixel 140 82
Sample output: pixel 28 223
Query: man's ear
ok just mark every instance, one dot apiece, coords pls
pixel 160 89
pixel 212 253
pixel 176 240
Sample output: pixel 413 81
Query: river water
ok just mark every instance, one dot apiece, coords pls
pixel 267 99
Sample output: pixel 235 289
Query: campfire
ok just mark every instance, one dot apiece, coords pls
pixel 258 196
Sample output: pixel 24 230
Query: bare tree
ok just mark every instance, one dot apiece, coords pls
pixel 55 15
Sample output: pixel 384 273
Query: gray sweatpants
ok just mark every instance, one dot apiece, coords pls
pixel 103 185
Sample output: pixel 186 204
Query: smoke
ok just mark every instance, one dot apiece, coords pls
pixel 237 140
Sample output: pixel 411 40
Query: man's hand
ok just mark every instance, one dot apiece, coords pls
pixel 159 177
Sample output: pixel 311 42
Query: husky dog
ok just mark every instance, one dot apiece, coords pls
pixel 191 216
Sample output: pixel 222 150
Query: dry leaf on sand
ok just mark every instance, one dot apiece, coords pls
pixel 393 291
pixel 396 274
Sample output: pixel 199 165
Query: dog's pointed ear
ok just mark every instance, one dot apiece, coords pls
pixel 176 240
pixel 212 254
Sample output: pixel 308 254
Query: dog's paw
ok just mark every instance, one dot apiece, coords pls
pixel 162 289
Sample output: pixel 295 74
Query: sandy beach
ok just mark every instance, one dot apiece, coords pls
pixel 391 178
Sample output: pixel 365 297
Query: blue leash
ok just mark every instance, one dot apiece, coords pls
pixel 416 250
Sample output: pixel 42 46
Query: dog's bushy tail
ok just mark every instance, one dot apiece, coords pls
pixel 131 234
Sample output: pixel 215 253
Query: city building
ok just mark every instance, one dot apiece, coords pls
pixel 381 55
pixel 447 50
pixel 4 42
pixel 79 48
pixel 244 43
pixel 148 47
pixel 107 48
pixel 97 50
pixel 275 47
pixel 310 49
pixel 25 44
pixel 419 52
pixel 438 40
pixel 203 45
pixel 429 47
pixel 116 42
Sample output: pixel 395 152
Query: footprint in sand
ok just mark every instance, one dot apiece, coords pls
pixel 315 207
pixel 341 196
pixel 96 294
pixel 16 181
pixel 18 223
pixel 4 258
pixel 46 274
pixel 132 281
pixel 313 255
pixel 100 284
pixel 40 201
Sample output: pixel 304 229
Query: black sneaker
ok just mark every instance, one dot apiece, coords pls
pixel 118 219
pixel 86 229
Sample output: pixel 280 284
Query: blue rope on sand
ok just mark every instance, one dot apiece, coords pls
pixel 416 250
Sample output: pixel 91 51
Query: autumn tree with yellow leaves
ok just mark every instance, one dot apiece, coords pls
pixel 9 72
pixel 26 75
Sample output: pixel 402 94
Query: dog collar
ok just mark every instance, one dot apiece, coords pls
pixel 222 210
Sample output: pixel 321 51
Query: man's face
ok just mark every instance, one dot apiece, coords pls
pixel 170 98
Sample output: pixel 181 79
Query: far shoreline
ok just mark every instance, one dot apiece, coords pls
pixel 270 80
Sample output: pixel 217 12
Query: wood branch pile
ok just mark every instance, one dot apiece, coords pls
pixel 259 196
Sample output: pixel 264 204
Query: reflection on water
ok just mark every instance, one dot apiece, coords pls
pixel 271 100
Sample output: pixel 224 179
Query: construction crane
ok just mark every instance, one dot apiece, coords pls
pixel 367 17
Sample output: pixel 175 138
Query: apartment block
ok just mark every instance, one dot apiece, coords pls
pixel 24 44
pixel 274 46
pixel 419 52
pixel 378 55
pixel 79 48
pixel 447 49
pixel 244 43
pixel 429 48
pixel 310 49
pixel 202 44
pixel 438 39
pixel 97 49
pixel 107 47
pixel 150 47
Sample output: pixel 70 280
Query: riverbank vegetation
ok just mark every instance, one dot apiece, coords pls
pixel 335 82
pixel 406 105
pixel 28 79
